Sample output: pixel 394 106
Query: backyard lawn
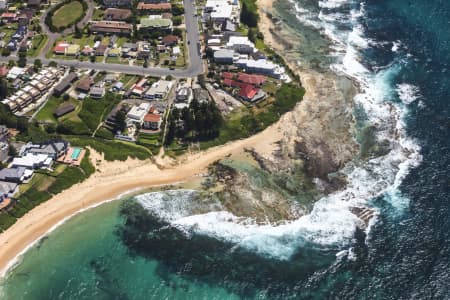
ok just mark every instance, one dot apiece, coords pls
pixel 46 113
pixel 67 14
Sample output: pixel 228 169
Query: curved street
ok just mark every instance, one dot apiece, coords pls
pixel 194 61
pixel 53 36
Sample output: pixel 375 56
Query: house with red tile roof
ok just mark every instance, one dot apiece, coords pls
pixel 247 92
pixel 152 121
pixel 61 48
pixel 142 6
pixel 3 71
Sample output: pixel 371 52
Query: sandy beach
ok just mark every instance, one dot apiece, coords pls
pixel 113 179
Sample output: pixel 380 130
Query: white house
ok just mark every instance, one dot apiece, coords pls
pixel 158 90
pixel 3 4
pixel 241 44
pixel 261 66
pixel 137 113
pixel 32 161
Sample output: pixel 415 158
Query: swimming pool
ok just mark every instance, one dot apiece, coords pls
pixel 76 153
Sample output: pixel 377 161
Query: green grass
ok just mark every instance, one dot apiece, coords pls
pixel 94 111
pixel 46 113
pixel 150 141
pixel 9 30
pixel 98 15
pixel 113 150
pixel 39 42
pixel 67 14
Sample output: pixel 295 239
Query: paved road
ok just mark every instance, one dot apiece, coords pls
pixel 52 36
pixel 195 66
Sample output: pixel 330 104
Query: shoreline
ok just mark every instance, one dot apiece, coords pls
pixel 110 182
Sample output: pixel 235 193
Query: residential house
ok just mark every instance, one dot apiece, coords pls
pixel 144 50
pixel 139 88
pixel 117 14
pixel 127 48
pixel 52 149
pixel 241 44
pixel 97 92
pixel 4 133
pixel 117 86
pixel 110 77
pixel 224 56
pixel 61 48
pixel 117 3
pixel 63 109
pixel 24 19
pixel 153 7
pixel 111 27
pixel 115 52
pixel 201 95
pixel 158 90
pixel 3 4
pixel 100 50
pixel 183 95
pixel 152 121
pixel 160 48
pixel 155 1
pixel 7 190
pixel 12 45
pixel 34 3
pixel 15 72
pixel 3 71
pixel 170 40
pixel 65 84
pixel 8 17
pixel 17 174
pixel 87 50
pixel 261 66
pixel 32 161
pixel 137 113
pixel 176 51
pixel 84 85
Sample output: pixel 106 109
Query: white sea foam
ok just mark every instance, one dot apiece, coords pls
pixel 408 93
pixel 330 224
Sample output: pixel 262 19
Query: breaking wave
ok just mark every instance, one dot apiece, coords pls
pixel 330 225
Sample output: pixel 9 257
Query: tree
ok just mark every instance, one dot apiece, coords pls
pixel 6 52
pixel 201 80
pixel 92 58
pixel 121 123
pixel 11 63
pixel 12 151
pixel 37 64
pixel 177 32
pixel 77 32
pixel 53 64
pixel 177 10
pixel 249 15
pixel 252 34
pixel 3 89
pixel 22 61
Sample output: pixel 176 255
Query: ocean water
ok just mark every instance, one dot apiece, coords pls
pixel 155 247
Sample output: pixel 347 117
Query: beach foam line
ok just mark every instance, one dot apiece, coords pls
pixel 17 259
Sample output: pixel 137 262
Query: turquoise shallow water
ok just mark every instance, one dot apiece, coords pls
pixel 84 259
